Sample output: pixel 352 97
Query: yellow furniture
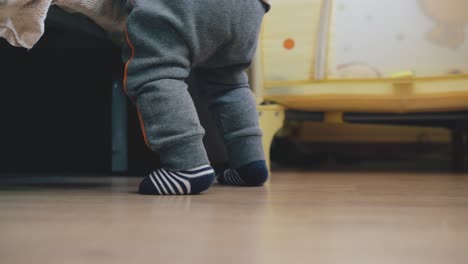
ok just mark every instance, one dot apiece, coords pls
pixel 386 56
pixel 271 120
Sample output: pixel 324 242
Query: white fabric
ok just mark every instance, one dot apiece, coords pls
pixel 22 21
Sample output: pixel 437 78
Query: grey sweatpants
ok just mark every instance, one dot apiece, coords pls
pixel 166 40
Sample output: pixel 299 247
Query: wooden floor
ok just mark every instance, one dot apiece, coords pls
pixel 299 217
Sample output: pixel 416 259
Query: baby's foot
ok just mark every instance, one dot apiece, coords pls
pixel 252 174
pixel 165 182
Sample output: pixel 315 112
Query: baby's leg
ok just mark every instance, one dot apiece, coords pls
pixel 234 109
pixel 157 65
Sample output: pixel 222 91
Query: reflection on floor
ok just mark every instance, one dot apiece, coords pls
pixel 299 217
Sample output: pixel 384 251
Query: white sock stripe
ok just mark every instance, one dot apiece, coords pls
pixel 171 175
pixel 160 183
pixel 226 176
pixel 199 168
pixel 230 179
pixel 154 183
pixel 176 184
pixel 233 177
pixel 238 180
pixel 236 175
pixel 210 171
pixel 163 177
pixel 195 171
pixel 184 181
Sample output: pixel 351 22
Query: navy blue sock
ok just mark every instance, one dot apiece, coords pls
pixel 165 182
pixel 252 174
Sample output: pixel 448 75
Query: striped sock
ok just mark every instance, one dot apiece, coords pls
pixel 252 174
pixel 165 182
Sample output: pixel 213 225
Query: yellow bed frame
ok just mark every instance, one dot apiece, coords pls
pixel 405 95
pixel 398 93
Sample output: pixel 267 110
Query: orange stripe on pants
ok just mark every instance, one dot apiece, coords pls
pixel 132 48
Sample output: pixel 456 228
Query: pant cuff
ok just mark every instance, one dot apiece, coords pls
pixel 184 154
pixel 245 150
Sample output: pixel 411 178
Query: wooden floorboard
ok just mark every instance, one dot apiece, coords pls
pixel 299 217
